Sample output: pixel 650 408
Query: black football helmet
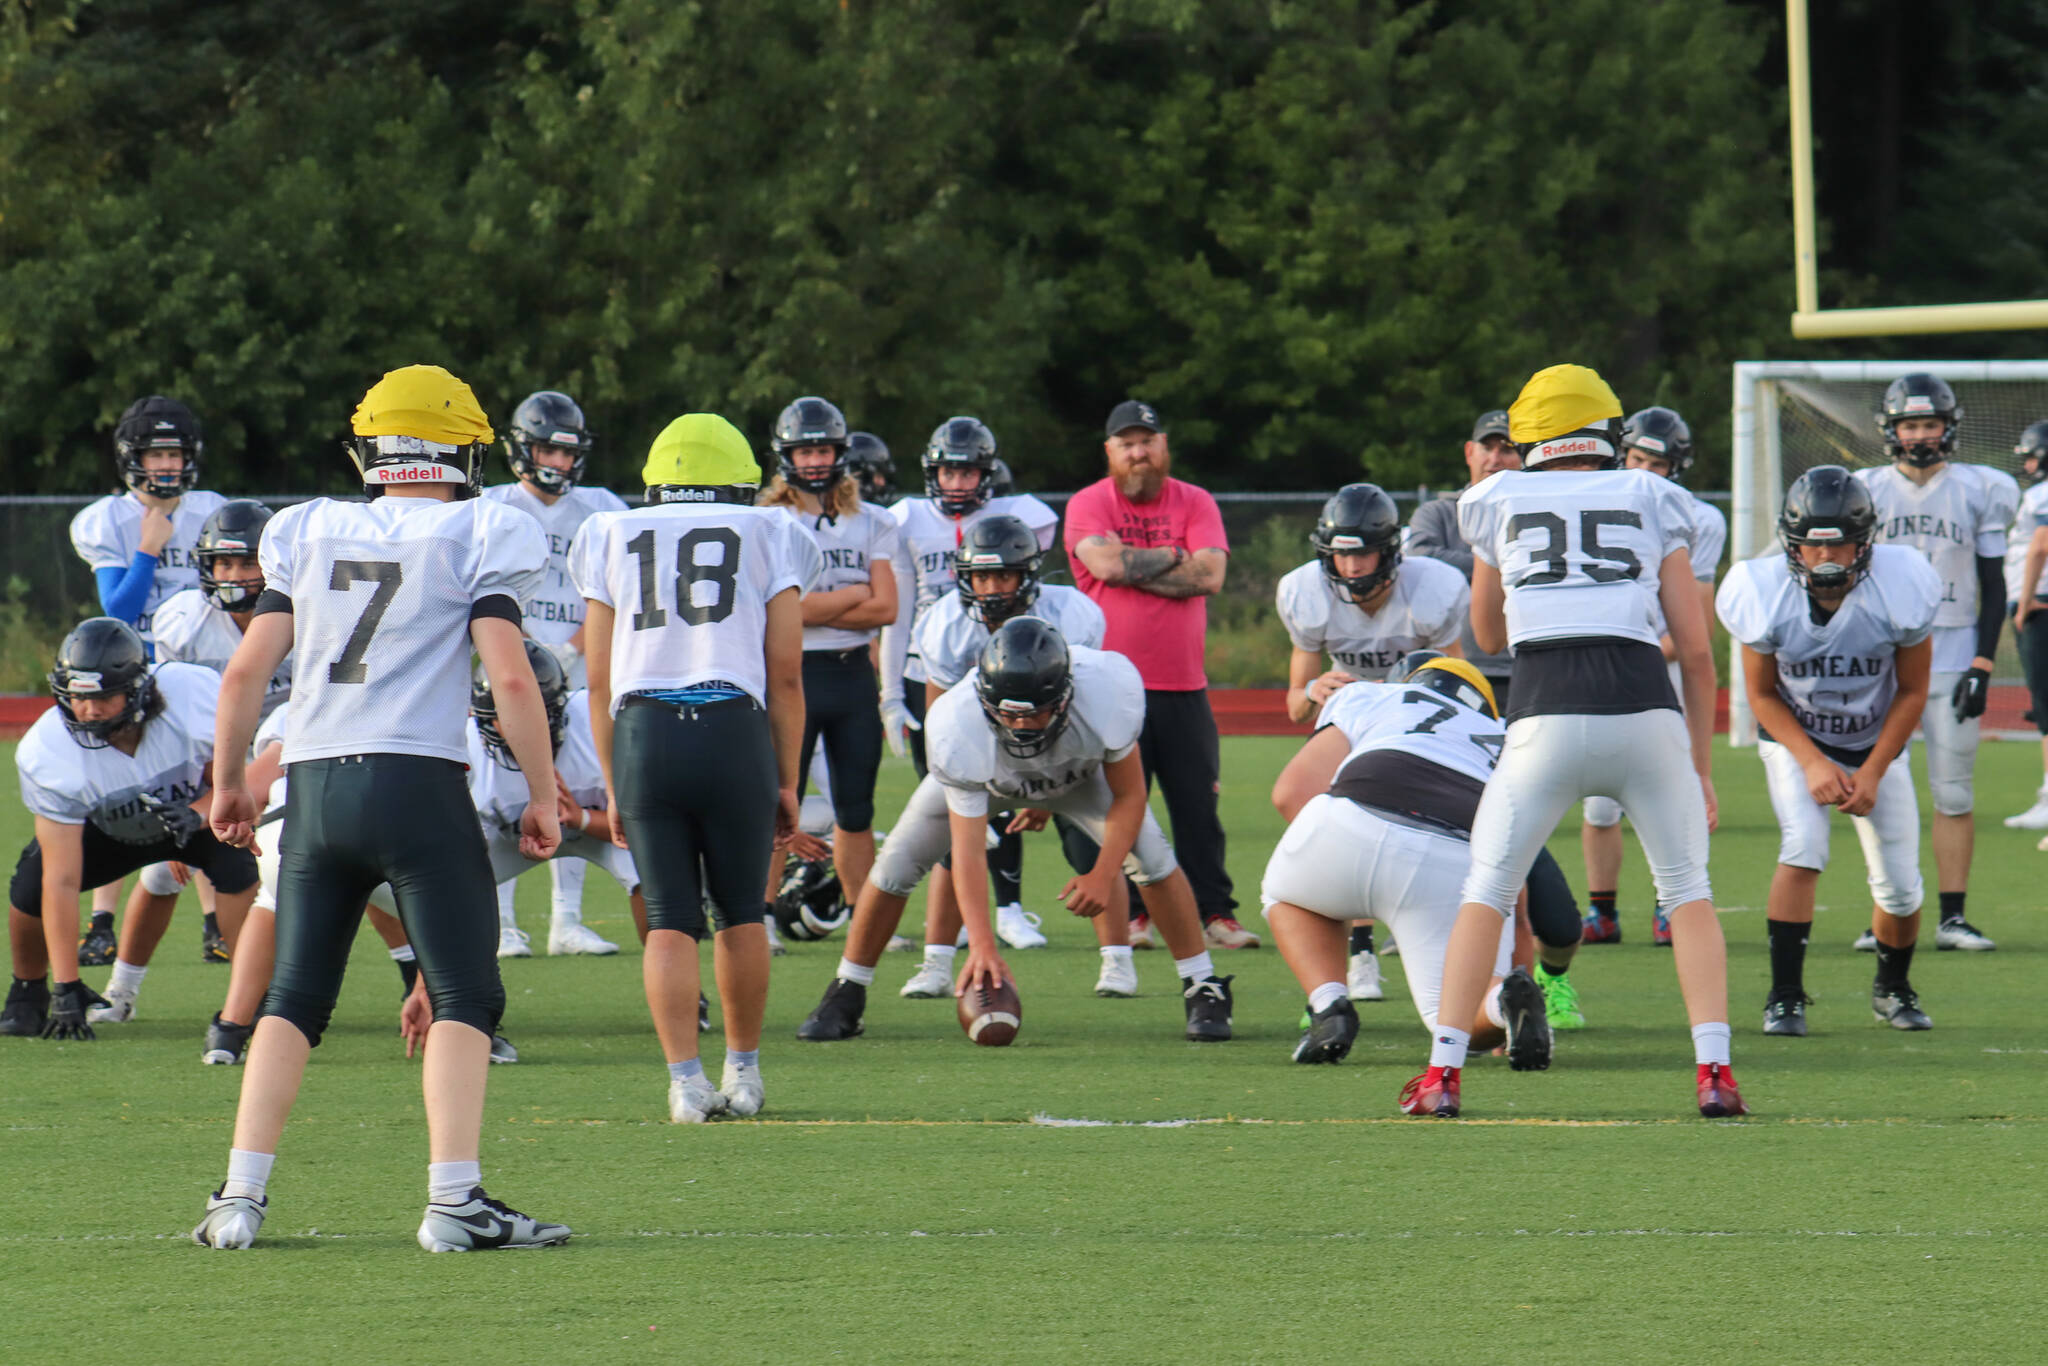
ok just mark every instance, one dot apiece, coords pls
pixel 2033 452
pixel 1659 432
pixel 1447 676
pixel 236 528
pixel 808 904
pixel 157 423
pixel 554 699
pixel 1001 483
pixel 1358 519
pixel 103 655
pixel 998 542
pixel 867 457
pixel 964 443
pixel 550 418
pixel 1024 669
pixel 1920 395
pixel 810 422
pixel 1828 506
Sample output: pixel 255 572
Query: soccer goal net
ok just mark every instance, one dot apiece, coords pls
pixel 1793 415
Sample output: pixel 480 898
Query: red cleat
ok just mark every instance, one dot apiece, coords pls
pixel 1600 929
pixel 1435 1092
pixel 1719 1096
pixel 1660 929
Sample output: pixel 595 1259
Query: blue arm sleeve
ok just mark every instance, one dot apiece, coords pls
pixel 123 591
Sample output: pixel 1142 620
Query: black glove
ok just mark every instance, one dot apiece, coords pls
pixel 179 821
pixel 1973 690
pixel 68 1004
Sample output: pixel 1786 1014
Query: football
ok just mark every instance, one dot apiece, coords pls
pixel 991 1018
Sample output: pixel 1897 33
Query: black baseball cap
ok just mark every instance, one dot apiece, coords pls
pixel 1494 423
pixel 1132 413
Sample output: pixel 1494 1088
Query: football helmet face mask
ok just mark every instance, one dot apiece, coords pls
pixel 867 457
pixel 1357 520
pixel 548 418
pixel 554 700
pixel 102 656
pixel 1920 395
pixel 1457 679
pixel 2033 452
pixel 1025 671
pixel 810 422
pixel 1828 506
pixel 1659 432
pixel 999 542
pixel 155 424
pixel 234 529
pixel 961 443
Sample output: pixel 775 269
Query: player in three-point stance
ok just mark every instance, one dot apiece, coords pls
pixel 379 604
pixel 1389 840
pixel 1047 730
pixel 1835 651
pixel 1570 553
pixel 1956 515
pixel 694 643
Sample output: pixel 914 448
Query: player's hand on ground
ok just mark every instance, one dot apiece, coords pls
pixel 1862 794
pixel 1713 803
pixel 68 1004
pixel 1088 894
pixel 156 531
pixel 984 966
pixel 897 723
pixel 415 1017
pixel 234 817
pixel 1825 783
pixel 540 833
pixel 1027 819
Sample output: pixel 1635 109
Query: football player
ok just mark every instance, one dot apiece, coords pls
pixel 379 603
pixel 548 445
pixel 868 460
pixel 1660 441
pixel 1358 603
pixel 1046 730
pixel 1389 841
pixel 695 623
pixel 1956 515
pixel 2023 595
pixel 996 574
pixel 1835 653
pixel 1571 553
pixel 852 600
pixel 113 776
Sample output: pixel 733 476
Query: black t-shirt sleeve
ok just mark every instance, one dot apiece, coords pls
pixel 501 605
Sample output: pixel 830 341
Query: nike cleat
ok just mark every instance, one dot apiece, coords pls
pixel 1785 1013
pixel 1560 1000
pixel 931 981
pixel 479 1223
pixel 1899 1007
pixel 742 1089
pixel 1143 936
pixel 694 1102
pixel 1718 1095
pixel 837 1015
pixel 1866 942
pixel 1961 934
pixel 1208 1006
pixel 1329 1035
pixel 1433 1093
pixel 231 1221
pixel 1600 929
pixel 578 938
pixel 1118 979
pixel 212 947
pixel 502 1049
pixel 1521 1001
pixel 119 1009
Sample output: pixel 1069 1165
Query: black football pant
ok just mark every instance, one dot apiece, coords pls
pixel 842 706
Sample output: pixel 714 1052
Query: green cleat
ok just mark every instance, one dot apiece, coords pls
pixel 1560 999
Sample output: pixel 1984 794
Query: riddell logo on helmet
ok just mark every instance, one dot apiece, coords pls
pixel 1565 447
pixel 414 474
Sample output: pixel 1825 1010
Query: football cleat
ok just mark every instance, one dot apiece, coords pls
pixel 1142 934
pixel 1118 978
pixel 479 1223
pixel 1362 978
pixel 901 943
pixel 1329 1034
pixel 1785 1012
pixel 1899 1007
pixel 742 1089
pixel 579 938
pixel 96 947
pixel 703 1013
pixel 1018 928
pixel 1866 942
pixel 226 1042
pixel 1660 929
pixel 502 1049
pixel 776 948
pixel 1208 1005
pixel 1434 1093
pixel 1961 934
pixel 1225 933
pixel 837 1015
pixel 513 943
pixel 693 1101
pixel 212 948
pixel 2034 817
pixel 27 1009
pixel 231 1221
pixel 1521 1001
pixel 1560 999
pixel 931 981
pixel 1600 929
pixel 119 1008
pixel 1719 1097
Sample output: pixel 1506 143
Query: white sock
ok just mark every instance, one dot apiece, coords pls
pixel 1195 969
pixel 506 895
pixel 248 1173
pixel 449 1183
pixel 565 875
pixel 942 954
pixel 1325 996
pixel 853 972
pixel 127 977
pixel 1447 1048
pixel 1011 908
pixel 1116 953
pixel 404 954
pixel 1710 1043
pixel 1491 1005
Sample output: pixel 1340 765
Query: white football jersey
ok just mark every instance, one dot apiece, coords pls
pixel 1416 721
pixel 271 732
pixel 846 547
pixel 1424 612
pixel 2033 515
pixel 500 792
pixel 557 608
pixel 1705 538
pixel 689 585
pixel 70 784
pixel 1959 514
pixel 950 642
pixel 924 570
pixel 381 595
pixel 193 629
pixel 1104 718
pixel 1579 551
pixel 106 535
pixel 1839 679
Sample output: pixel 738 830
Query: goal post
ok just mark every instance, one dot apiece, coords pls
pixel 1792 415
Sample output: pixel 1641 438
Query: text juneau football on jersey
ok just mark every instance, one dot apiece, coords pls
pixel 1835 666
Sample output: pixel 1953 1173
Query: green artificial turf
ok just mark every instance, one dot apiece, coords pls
pixel 903 1197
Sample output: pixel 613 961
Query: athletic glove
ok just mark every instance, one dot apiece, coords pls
pixel 1973 690
pixel 897 723
pixel 68 1004
pixel 179 821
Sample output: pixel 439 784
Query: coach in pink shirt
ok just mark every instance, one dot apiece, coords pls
pixel 1148 549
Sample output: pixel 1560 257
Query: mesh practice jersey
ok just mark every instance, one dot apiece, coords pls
pixel 64 781
pixel 1425 611
pixel 847 546
pixel 924 569
pixel 557 608
pixel 193 629
pixel 950 642
pixel 500 792
pixel 1104 718
pixel 106 535
pixel 1417 721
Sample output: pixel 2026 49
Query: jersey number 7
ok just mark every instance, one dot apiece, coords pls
pixel 386 575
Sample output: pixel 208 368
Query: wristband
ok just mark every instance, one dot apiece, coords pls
pixel 583 820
